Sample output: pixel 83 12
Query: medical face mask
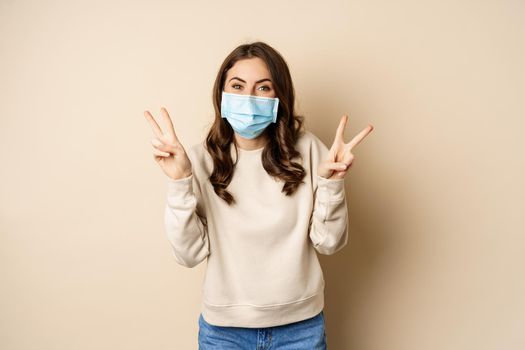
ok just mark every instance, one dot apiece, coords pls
pixel 247 114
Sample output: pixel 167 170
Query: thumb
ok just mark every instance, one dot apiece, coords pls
pixel 328 167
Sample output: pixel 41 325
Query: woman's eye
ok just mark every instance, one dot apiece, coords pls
pixel 267 88
pixel 234 86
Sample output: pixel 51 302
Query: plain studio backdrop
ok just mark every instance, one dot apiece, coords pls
pixel 436 194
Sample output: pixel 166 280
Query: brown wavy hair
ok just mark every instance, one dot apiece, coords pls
pixel 279 151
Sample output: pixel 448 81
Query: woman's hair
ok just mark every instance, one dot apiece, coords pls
pixel 279 151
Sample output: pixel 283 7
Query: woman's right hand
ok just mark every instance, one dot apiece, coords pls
pixel 168 152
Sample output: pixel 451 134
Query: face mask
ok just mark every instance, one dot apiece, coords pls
pixel 249 115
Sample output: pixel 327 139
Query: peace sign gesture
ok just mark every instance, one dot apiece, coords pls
pixel 168 151
pixel 340 157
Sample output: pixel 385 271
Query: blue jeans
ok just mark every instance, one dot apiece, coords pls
pixel 307 334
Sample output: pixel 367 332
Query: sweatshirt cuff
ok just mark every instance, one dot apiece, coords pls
pixel 180 187
pixel 330 189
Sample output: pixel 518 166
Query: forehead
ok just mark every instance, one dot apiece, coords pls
pixel 249 69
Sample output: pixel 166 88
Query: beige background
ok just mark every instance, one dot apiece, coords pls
pixel 436 195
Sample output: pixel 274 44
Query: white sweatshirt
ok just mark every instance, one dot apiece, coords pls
pixel 262 267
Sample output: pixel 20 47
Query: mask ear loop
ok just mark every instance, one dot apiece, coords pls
pixel 275 109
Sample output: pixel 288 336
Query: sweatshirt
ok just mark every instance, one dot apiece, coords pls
pixel 262 268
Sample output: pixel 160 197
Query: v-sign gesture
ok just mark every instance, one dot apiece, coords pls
pixel 168 152
pixel 340 157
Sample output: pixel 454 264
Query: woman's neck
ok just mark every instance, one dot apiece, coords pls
pixel 251 144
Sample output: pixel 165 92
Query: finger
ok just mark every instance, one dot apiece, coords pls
pixel 359 137
pixel 166 148
pixel 159 153
pixel 337 166
pixel 154 126
pixel 171 130
pixel 156 142
pixel 339 134
pixel 347 157
pixel 342 173
pixel 332 152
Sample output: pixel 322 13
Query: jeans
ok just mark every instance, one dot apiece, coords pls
pixel 307 334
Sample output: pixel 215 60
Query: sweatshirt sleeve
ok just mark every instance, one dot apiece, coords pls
pixel 185 224
pixel 329 224
pixel 329 220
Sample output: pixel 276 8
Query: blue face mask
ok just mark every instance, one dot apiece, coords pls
pixel 249 115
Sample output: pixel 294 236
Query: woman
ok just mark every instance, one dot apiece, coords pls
pixel 257 199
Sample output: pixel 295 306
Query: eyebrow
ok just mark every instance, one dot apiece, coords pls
pixel 258 81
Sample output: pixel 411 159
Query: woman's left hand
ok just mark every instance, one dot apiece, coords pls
pixel 340 157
